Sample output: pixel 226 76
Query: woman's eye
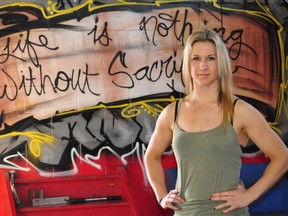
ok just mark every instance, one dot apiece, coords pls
pixel 195 58
pixel 211 58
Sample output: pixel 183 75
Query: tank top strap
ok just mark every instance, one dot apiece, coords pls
pixel 234 103
pixel 176 111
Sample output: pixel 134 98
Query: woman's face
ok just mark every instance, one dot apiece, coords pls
pixel 204 64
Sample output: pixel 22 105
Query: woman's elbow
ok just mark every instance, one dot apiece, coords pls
pixel 150 159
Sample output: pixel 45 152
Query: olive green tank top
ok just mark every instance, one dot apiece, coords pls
pixel 207 162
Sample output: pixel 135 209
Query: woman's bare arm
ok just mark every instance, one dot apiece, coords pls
pixel 255 126
pixel 159 142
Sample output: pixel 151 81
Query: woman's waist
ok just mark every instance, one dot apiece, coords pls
pixel 206 207
pixel 202 189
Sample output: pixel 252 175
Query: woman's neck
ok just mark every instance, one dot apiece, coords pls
pixel 204 96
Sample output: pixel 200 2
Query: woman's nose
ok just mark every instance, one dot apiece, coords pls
pixel 203 65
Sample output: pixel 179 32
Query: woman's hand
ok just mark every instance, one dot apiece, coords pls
pixel 232 200
pixel 171 199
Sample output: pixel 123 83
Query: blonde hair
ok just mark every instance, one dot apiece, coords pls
pixel 224 69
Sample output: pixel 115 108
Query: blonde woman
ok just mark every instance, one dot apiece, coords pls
pixel 206 130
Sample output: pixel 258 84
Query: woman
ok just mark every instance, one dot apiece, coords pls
pixel 206 130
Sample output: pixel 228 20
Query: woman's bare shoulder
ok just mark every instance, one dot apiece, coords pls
pixel 169 109
pixel 247 114
pixel 168 113
pixel 244 108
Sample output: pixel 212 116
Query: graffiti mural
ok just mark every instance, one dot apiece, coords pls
pixel 82 79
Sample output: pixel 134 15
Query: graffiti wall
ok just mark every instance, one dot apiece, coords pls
pixel 85 80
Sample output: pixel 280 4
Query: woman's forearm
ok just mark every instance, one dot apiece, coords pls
pixel 156 177
pixel 273 172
